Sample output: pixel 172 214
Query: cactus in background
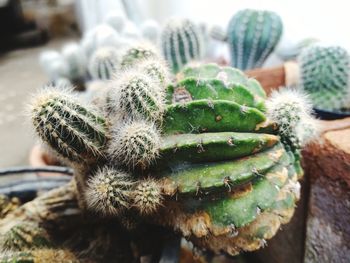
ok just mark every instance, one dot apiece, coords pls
pixel 116 20
pixel 137 53
pixel 139 96
pixel 181 43
pixel 76 61
pixel 103 63
pixel 150 30
pixel 324 75
pixel 252 35
pixel 25 236
pixel 54 64
pixel 109 191
pixel 135 144
pixel 77 133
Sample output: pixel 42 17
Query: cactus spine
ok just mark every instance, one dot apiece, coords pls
pixel 104 63
pixel 137 53
pixel 181 43
pixel 324 75
pixel 147 196
pixel 72 130
pixel 252 36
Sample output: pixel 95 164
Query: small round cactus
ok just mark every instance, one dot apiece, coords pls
pixel 139 96
pixel 53 64
pixel 72 130
pixel 156 69
pixel 150 30
pixel 135 144
pixel 136 53
pixel 181 42
pixel 147 196
pixel 288 108
pixel 324 75
pixel 116 20
pixel 103 63
pixel 252 36
pixel 109 191
pixel 76 60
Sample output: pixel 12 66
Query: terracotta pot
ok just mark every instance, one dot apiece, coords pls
pixel 39 157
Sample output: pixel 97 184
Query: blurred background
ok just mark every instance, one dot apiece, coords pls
pixel 30 26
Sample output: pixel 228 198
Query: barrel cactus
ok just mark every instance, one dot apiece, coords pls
pixel 252 35
pixel 324 75
pixel 181 43
pixel 202 156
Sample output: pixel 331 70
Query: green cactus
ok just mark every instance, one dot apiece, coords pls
pixel 39 256
pixel 252 36
pixel 139 96
pixel 137 53
pixel 104 63
pixel 181 43
pixel 72 130
pixel 214 163
pixel 324 75
pixel 25 236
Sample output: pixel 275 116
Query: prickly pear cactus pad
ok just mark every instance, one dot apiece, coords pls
pixel 252 35
pixel 208 156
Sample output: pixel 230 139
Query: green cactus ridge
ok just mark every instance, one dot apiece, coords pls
pixel 75 132
pixel 227 74
pixel 324 75
pixel 181 42
pixel 210 147
pixel 252 36
pixel 211 116
pixel 216 89
pixel 25 236
pixel 214 177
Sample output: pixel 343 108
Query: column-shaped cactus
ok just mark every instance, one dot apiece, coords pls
pixel 71 129
pixel 324 75
pixel 104 63
pixel 252 35
pixel 181 42
pixel 76 61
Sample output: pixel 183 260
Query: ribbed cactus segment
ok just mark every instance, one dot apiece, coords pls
pixel 324 75
pixel 109 191
pixel 137 53
pixel 25 236
pixel 76 60
pixel 226 74
pixel 206 178
pixel 211 116
pixel 135 144
pixel 73 131
pixel 252 36
pixel 104 63
pixel 39 256
pixel 139 96
pixel 181 43
pixel 210 147
pixel 217 89
pixel 147 196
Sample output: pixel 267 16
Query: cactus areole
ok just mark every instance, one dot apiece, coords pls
pixel 211 166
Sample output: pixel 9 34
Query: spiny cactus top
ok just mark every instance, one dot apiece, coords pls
pixel 252 36
pixel 324 75
pixel 211 165
pixel 181 42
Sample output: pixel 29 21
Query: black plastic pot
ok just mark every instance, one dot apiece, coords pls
pixel 330 115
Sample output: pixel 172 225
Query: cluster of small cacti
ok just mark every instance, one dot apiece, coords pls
pixel 201 155
pixel 181 42
pixel 324 75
